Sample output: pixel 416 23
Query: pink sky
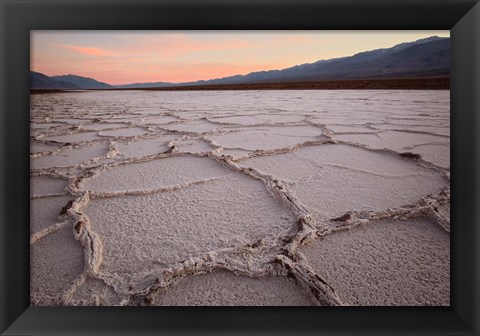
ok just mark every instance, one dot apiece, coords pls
pixel 121 57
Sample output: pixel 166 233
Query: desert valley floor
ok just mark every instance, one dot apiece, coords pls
pixel 319 197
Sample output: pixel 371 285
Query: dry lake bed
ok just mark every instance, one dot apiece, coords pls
pixel 288 197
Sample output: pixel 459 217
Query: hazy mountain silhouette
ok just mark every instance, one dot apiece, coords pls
pixel 144 85
pixel 41 81
pixel 421 58
pixel 426 57
pixel 83 82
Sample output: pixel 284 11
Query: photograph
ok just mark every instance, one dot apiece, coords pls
pixel 240 168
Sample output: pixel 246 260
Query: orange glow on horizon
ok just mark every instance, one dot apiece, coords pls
pixel 190 73
pixel 123 57
pixel 92 51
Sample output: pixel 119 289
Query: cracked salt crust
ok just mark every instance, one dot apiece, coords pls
pixel 168 227
pixel 351 129
pixel 439 154
pixel 258 119
pixel 44 212
pixel 441 131
pixel 74 137
pixel 100 127
pixel 125 132
pixel 67 121
pixel 166 119
pixel 386 263
pixel 192 146
pixel 70 157
pixel 94 292
pixel 56 261
pixel 192 127
pixel 337 191
pixel 266 138
pixel 328 182
pixel 36 147
pixel 44 126
pixel 392 139
pixel 222 288
pixel 166 172
pixel 310 159
pixel 234 153
pixel 145 147
pixel 419 122
pixel 268 197
pixel 46 185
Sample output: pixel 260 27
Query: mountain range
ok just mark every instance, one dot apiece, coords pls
pixel 422 58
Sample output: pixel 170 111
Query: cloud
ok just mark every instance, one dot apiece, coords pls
pixel 176 44
pixel 91 51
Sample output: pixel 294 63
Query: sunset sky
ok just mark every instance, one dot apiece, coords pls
pixel 121 57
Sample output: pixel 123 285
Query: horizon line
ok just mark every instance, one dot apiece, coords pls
pixel 236 74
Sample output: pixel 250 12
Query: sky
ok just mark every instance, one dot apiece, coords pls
pixel 122 57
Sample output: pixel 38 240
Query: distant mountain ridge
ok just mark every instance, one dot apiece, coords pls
pixel 44 82
pixel 144 85
pixel 82 82
pixel 41 81
pixel 425 57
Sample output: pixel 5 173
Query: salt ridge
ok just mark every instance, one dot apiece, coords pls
pixel 276 254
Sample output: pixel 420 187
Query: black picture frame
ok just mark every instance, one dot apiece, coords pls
pixel 18 17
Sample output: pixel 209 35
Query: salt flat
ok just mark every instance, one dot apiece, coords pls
pixel 289 197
